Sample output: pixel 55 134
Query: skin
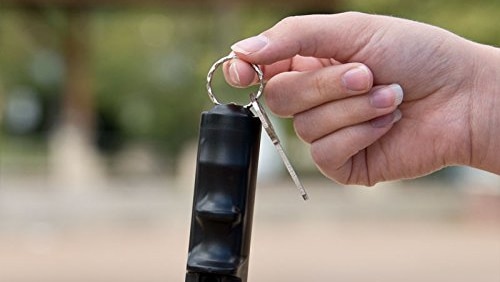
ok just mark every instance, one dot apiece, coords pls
pixel 359 129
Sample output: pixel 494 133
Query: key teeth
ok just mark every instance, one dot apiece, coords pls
pixel 259 111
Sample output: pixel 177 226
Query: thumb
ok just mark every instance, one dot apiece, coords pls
pixel 338 36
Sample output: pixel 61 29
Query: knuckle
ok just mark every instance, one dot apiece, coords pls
pixel 319 156
pixel 276 100
pixel 322 84
pixel 361 178
pixel 274 103
pixel 355 15
pixel 288 21
pixel 303 127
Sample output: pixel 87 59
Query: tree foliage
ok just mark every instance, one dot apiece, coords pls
pixel 149 65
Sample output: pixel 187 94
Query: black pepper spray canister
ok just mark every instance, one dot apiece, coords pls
pixel 221 222
pixel 224 190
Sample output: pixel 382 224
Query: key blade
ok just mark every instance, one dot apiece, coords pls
pixel 292 172
pixel 268 127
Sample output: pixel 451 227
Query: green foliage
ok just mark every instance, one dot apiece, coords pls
pixel 475 20
pixel 150 69
pixel 148 66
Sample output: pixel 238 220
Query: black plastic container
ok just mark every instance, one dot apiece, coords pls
pixel 221 222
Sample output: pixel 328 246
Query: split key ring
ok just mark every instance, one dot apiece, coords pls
pixel 214 67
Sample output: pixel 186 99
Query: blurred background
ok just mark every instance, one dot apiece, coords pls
pixel 100 102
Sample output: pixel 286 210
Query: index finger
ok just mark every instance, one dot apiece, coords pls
pixel 338 36
pixel 240 73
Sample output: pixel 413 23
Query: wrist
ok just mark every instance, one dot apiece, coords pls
pixel 484 110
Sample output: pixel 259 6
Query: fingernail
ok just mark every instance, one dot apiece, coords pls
pixel 250 45
pixel 389 96
pixel 233 74
pixel 357 79
pixel 386 120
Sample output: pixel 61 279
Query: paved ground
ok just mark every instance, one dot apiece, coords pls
pixel 121 233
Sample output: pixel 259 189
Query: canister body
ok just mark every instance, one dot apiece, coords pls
pixel 221 222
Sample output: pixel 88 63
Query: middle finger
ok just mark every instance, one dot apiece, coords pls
pixel 329 117
pixel 290 93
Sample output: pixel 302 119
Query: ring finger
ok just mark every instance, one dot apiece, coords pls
pixel 329 117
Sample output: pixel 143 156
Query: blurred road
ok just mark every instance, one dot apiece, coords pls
pixel 138 231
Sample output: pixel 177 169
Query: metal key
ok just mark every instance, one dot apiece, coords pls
pixel 268 127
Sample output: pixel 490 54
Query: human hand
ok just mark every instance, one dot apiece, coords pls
pixel 315 67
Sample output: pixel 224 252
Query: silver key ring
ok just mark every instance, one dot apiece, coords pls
pixel 210 75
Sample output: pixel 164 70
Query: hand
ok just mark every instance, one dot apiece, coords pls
pixel 341 78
